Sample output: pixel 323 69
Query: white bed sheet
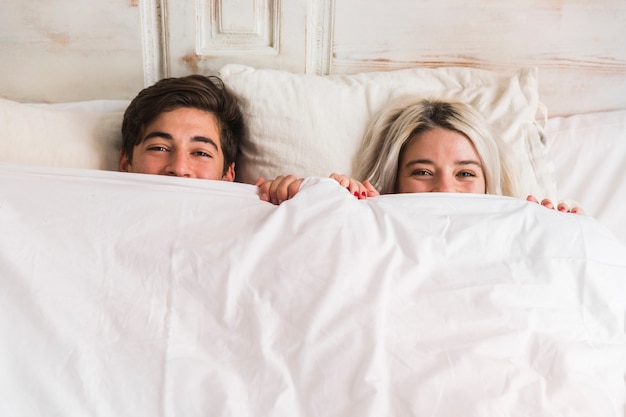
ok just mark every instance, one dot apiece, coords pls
pixel 137 295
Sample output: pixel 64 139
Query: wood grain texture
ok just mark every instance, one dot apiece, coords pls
pixel 63 50
pixel 578 46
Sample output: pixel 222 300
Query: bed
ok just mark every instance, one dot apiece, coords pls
pixel 130 294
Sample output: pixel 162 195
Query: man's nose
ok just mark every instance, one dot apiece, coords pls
pixel 177 165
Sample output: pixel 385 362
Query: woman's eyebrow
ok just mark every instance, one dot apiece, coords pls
pixel 431 162
pixel 468 162
pixel 419 161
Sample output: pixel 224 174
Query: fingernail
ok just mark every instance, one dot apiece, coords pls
pixel 356 194
pixel 363 194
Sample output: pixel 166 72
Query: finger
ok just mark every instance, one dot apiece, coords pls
pixel 357 189
pixel 547 203
pixel 335 176
pixel 264 190
pixel 562 207
pixel 360 190
pixel 273 189
pixel 532 199
pixel 259 181
pixel 363 192
pixel 354 187
pixel 282 190
pixel 371 191
pixel 293 188
pixel 343 180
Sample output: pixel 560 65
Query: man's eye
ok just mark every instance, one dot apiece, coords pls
pixel 203 154
pixel 157 148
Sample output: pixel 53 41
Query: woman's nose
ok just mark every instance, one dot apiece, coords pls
pixel 443 184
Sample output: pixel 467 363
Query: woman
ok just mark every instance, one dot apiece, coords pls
pixel 421 145
pixel 418 145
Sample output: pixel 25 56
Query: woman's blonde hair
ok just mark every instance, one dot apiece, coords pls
pixel 397 124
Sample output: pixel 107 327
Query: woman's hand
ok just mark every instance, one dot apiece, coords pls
pixel 562 206
pixel 359 190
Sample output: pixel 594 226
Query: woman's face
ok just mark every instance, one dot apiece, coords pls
pixel 440 160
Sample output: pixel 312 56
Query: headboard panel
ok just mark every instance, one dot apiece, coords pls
pixel 579 46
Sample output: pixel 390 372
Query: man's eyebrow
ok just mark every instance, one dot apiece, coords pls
pixel 158 135
pixel 167 136
pixel 206 140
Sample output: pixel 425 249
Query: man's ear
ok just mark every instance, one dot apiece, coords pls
pixel 124 163
pixel 230 173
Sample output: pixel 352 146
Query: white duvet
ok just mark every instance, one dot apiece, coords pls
pixel 137 295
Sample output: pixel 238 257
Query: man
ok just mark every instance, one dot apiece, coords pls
pixel 188 127
pixel 191 127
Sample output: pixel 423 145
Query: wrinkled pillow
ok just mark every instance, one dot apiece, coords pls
pixel 588 152
pixel 310 125
pixel 77 135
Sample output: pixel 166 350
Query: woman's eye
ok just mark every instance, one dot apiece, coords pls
pixel 420 172
pixel 466 174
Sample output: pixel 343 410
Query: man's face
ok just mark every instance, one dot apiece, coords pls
pixel 184 142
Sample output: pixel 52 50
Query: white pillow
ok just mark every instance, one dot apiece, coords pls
pixel 73 135
pixel 310 125
pixel 588 152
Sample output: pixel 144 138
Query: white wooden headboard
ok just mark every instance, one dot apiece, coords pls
pixel 64 50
